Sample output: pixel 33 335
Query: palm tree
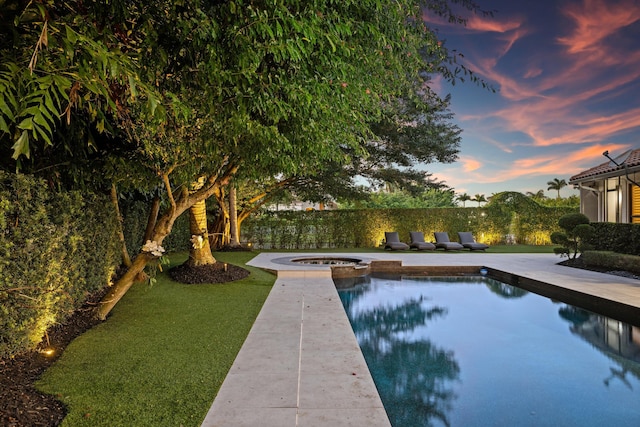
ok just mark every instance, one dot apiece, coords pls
pixel 479 198
pixel 556 184
pixel 464 197
pixel 538 195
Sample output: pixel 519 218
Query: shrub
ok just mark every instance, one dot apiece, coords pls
pixel 576 234
pixel 366 227
pixel 612 260
pixel 52 256
pixel 616 237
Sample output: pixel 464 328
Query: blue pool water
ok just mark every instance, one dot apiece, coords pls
pixel 472 351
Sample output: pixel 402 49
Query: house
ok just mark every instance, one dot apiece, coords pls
pixel 610 192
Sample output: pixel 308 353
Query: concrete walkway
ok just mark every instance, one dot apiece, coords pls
pixel 301 364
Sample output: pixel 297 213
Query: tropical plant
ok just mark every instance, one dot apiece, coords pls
pixel 464 197
pixel 537 196
pixel 557 185
pixel 480 198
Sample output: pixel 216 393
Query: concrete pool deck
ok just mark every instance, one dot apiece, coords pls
pixel 301 364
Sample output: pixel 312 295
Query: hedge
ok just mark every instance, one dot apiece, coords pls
pixel 621 238
pixel 612 260
pixel 365 228
pixel 52 255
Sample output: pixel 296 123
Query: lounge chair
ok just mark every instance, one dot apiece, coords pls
pixel 417 242
pixel 392 241
pixel 467 240
pixel 443 242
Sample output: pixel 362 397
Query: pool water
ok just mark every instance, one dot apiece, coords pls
pixel 472 351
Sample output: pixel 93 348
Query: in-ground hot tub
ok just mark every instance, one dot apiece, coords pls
pixel 322 261
pixel 326 261
pixel 340 266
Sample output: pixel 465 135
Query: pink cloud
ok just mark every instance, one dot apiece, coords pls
pixel 595 20
pixel 552 105
pixel 559 165
pixel 489 24
pixel 564 98
pixel 531 73
pixel 565 164
pixel 469 164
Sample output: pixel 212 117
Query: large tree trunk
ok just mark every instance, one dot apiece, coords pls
pixel 117 291
pixel 152 219
pixel 234 229
pixel 161 230
pixel 220 229
pixel 200 251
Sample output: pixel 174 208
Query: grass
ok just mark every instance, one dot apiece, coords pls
pixel 162 355
pixel 164 352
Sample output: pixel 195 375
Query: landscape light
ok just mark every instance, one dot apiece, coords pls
pixel 49 351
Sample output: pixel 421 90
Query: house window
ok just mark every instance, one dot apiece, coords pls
pixel 635 204
pixel 613 200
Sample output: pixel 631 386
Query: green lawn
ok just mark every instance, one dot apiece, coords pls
pixel 162 355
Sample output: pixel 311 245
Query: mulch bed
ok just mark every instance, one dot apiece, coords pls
pixel 22 405
pixel 579 263
pixel 220 272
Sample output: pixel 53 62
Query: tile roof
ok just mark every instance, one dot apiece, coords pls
pixel 632 161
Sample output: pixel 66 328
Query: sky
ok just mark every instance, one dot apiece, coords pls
pixel 567 75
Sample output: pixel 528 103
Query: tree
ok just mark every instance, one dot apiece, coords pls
pixel 537 196
pixel 196 92
pixel 557 185
pixel 464 197
pixel 480 198
pixel 60 65
pixel 327 88
pixel 432 198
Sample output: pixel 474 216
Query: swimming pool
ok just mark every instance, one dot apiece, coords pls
pixel 473 351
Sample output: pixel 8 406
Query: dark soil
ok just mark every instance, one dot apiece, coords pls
pixel 579 263
pixel 220 272
pixel 22 405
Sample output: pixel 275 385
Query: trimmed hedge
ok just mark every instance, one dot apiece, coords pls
pixel 52 255
pixel 621 238
pixel 612 260
pixel 365 228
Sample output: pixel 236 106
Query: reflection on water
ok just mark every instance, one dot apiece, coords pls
pixel 617 340
pixel 471 351
pixel 414 374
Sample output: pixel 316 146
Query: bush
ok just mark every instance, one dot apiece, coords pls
pixel 612 260
pixel 575 236
pixel 365 228
pixel 621 238
pixel 52 256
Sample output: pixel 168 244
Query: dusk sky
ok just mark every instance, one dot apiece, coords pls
pixel 567 74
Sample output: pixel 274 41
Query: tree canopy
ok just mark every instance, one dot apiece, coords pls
pixel 163 94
